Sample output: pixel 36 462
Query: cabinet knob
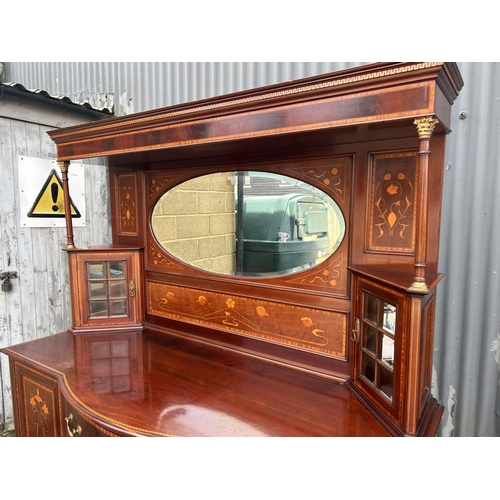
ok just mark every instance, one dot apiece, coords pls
pixel 72 432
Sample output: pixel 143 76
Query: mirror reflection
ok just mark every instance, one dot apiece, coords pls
pixel 248 223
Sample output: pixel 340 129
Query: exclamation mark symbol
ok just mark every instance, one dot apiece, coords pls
pixel 54 191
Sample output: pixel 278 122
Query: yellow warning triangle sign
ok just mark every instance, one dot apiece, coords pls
pixel 50 200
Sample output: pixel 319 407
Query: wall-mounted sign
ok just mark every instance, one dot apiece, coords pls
pixel 41 193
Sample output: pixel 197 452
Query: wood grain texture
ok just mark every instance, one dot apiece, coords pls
pixel 304 328
pixel 158 385
pixel 357 95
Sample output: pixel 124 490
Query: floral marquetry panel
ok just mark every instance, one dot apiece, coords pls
pixel 331 276
pixel 158 257
pixel 300 327
pixel 332 175
pixel 39 403
pixel 127 204
pixel 391 226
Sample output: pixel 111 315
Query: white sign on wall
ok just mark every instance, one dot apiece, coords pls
pixel 41 193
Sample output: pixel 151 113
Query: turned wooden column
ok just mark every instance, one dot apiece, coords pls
pixel 64 166
pixel 425 127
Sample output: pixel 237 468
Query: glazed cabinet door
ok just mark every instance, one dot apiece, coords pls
pixel 106 289
pixel 378 340
pixel 109 288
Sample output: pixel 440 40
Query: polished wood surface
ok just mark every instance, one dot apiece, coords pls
pixel 160 385
pixel 367 94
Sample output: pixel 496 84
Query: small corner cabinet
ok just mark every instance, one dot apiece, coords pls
pixel 106 288
pixel 273 266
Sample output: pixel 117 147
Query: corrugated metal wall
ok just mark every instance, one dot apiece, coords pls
pixel 139 86
pixel 467 343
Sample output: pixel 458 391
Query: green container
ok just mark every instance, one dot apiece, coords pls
pixel 283 233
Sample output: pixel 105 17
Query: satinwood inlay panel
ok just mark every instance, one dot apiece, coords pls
pixel 305 328
pixel 127 204
pixel 330 276
pixel 332 174
pixel 38 403
pixel 391 226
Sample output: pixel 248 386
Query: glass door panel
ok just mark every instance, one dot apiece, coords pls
pixel 97 289
pixel 117 269
pixel 117 289
pixel 98 308
pixel 368 368
pixel 107 288
pixel 378 333
pixel 95 270
pixel 370 339
pixel 117 307
pixel 386 382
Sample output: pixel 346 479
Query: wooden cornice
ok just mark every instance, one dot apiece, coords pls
pixel 366 94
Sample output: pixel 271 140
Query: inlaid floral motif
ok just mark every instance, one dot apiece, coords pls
pixel 308 322
pixel 162 304
pixel 333 178
pixel 159 184
pixel 127 203
pixel 293 325
pixel 392 224
pixel 394 199
pixel 158 258
pixel 261 311
pixel 40 413
pixel 322 277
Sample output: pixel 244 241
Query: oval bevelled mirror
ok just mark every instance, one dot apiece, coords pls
pixel 255 224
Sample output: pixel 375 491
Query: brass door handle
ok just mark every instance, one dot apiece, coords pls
pixel 131 289
pixel 75 432
pixel 355 332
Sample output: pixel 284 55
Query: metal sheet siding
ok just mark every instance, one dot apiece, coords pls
pixel 467 337
pixel 467 341
pixel 139 86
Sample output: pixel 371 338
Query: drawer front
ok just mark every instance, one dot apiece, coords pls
pixel 76 425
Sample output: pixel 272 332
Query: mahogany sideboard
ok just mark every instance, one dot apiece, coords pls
pixel 273 268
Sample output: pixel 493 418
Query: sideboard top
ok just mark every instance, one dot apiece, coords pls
pixel 374 93
pixel 179 388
